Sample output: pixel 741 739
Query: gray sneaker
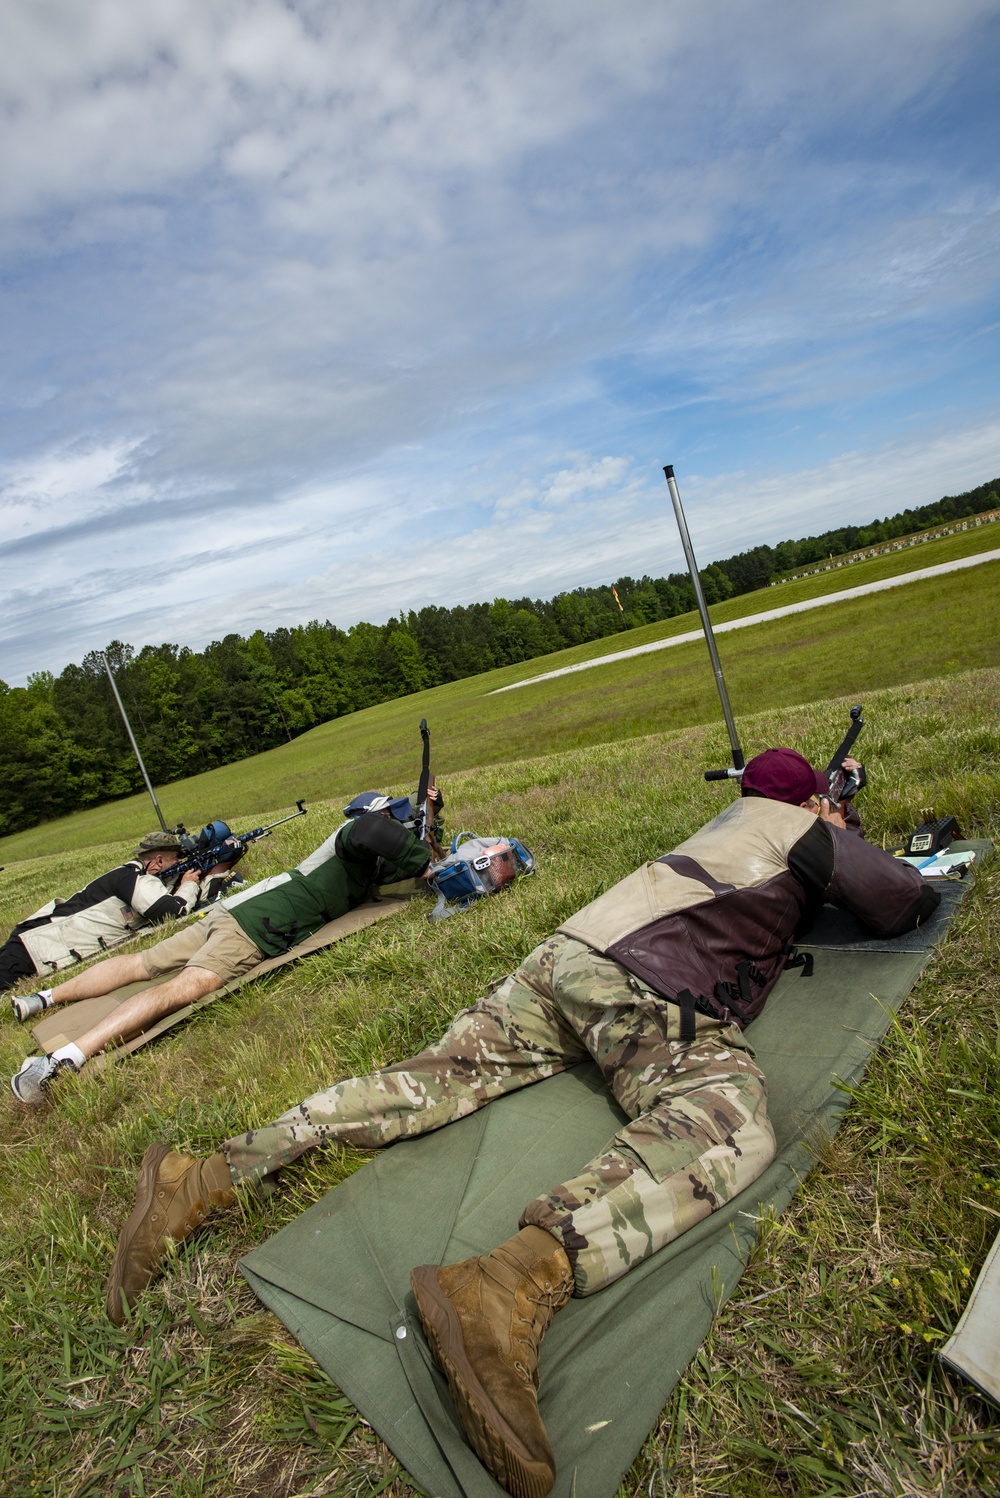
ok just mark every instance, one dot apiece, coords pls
pixel 31 1004
pixel 30 1084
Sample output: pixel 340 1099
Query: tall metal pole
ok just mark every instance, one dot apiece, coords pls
pixel 135 746
pixel 720 681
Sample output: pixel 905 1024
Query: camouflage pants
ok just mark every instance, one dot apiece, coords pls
pixel 699 1131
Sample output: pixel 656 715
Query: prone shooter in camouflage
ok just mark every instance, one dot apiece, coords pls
pixel 654 981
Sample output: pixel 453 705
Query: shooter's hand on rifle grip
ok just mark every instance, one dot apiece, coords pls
pixel 827 811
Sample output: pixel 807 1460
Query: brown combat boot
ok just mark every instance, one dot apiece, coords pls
pixel 174 1196
pixel 484 1320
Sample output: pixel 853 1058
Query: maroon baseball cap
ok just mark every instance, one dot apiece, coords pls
pixel 784 775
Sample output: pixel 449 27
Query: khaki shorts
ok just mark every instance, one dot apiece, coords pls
pixel 217 943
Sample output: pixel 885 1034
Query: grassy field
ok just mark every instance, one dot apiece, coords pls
pixel 924 630
pixel 821 1377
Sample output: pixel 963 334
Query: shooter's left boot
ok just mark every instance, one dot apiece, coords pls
pixel 31 1084
pixel 484 1319
pixel 174 1195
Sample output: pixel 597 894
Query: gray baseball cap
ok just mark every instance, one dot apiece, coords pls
pixel 158 842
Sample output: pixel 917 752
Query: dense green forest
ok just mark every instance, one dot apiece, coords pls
pixel 63 745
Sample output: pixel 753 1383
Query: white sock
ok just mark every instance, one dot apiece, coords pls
pixel 44 993
pixel 72 1053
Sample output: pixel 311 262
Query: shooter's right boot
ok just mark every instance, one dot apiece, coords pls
pixel 26 1006
pixel 484 1319
pixel 174 1196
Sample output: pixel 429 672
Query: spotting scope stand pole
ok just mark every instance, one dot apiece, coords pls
pixel 720 681
pixel 135 746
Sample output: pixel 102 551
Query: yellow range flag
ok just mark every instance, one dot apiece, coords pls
pixel 617 599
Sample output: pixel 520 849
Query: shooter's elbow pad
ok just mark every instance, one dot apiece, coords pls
pixel 376 835
pixel 888 896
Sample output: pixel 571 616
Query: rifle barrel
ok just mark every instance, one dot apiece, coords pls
pixel 203 859
pixel 135 746
pixel 260 831
pixel 720 681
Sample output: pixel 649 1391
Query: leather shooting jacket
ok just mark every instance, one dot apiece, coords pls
pixel 102 915
pixel 714 922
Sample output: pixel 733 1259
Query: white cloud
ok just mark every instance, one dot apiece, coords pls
pixel 591 519
pixel 287 280
pixel 739 510
pixel 56 484
pixel 317 99
pixel 631 530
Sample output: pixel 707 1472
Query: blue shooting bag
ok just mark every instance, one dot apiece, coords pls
pixel 476 867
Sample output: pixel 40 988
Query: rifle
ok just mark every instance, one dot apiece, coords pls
pixel 427 826
pixel 217 844
pixel 844 784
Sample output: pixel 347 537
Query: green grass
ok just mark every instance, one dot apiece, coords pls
pixel 925 630
pixel 829 1385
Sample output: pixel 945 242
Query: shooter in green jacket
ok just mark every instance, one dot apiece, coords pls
pixel 372 847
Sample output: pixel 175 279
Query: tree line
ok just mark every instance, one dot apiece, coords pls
pixel 63 745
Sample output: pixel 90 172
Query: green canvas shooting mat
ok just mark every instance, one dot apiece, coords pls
pixel 338 1277
pixel 68 1022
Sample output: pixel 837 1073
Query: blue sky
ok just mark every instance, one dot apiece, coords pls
pixel 327 310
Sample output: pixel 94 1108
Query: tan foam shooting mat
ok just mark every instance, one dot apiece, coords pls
pixel 69 1021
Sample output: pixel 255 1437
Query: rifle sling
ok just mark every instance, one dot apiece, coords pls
pixel 425 764
pixel 845 748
